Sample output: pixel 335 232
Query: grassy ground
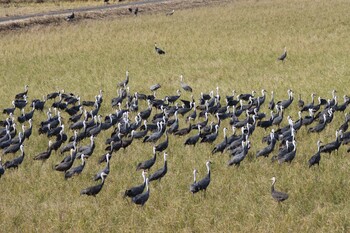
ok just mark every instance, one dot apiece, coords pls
pixel 232 46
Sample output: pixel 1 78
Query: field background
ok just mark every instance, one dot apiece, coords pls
pixel 233 46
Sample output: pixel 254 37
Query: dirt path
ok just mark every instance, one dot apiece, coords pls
pixel 111 10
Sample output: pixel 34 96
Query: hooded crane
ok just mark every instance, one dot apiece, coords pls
pixel 328 148
pixel 163 145
pixel 194 187
pixel 142 198
pixel 14 163
pixel 126 81
pixel 66 164
pixel 204 183
pixel 22 94
pixel 289 157
pixel 136 190
pixel 46 154
pixel 160 173
pixel 210 138
pixel 158 50
pixel 193 139
pixel 94 190
pixel 283 56
pixel 315 159
pixel 221 146
pixel 267 150
pixel 278 196
pixel 70 17
pixel 239 156
pixel 105 170
pixel 185 86
pixel 2 169
pixel 146 165
pixel 75 170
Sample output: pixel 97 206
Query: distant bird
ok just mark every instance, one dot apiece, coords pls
pixel 283 56
pixel 185 86
pixel 170 13
pixel 155 87
pixel 278 196
pixel 142 198
pixel 70 17
pixel 194 187
pixel 204 183
pixel 159 50
pixel 136 11
pixel 160 173
pixel 106 2
pixel 315 159
pixel 94 190
pixel 136 190
pixel 125 82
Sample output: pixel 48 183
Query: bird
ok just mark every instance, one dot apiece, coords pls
pixel 170 13
pixel 136 11
pixel 75 170
pixel 194 187
pixel 319 127
pixel 289 157
pixel 315 159
pixel 146 165
pixel 70 17
pixel 22 94
pixel 163 145
pixel 159 50
pixel 268 149
pixel 106 2
pixel 221 146
pixel 184 85
pixel 278 196
pixel 2 169
pixel 328 148
pixel 155 87
pixel 14 163
pixel 204 183
pixel 283 55
pixel 94 190
pixel 142 198
pixel 125 82
pixel 67 163
pixel 105 170
pixel 136 190
pixel 193 139
pixel 46 154
pixel 160 173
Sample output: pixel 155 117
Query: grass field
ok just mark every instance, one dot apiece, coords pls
pixel 232 46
